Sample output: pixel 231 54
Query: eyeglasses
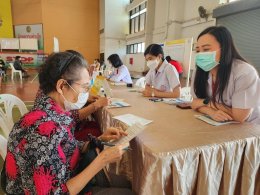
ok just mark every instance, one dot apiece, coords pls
pixel 86 87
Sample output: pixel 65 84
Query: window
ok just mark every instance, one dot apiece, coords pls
pixel 135 48
pixel 137 18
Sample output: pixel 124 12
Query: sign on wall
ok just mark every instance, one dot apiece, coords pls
pixel 34 31
pixel 26 58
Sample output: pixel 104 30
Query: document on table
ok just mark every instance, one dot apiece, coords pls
pixel 131 119
pixel 210 121
pixel 118 104
pixel 132 132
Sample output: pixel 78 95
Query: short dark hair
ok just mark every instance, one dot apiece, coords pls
pixel 59 65
pixel 228 54
pixel 115 60
pixel 154 50
pixel 17 57
pixel 168 58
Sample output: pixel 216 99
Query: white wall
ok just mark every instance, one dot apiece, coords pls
pixel 114 20
pixel 192 24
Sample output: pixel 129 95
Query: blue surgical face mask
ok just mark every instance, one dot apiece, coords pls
pixel 206 60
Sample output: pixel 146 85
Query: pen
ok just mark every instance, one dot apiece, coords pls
pixel 109 144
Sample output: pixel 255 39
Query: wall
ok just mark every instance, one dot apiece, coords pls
pixel 74 23
pixel 6 30
pixel 192 25
pixel 26 12
pixel 114 21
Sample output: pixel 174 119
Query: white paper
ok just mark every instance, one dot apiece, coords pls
pixel 131 119
pixel 132 132
pixel 118 104
pixel 210 121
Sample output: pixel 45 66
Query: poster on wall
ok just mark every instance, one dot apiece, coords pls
pixel 29 31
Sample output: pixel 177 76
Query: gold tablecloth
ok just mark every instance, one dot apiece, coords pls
pixel 179 154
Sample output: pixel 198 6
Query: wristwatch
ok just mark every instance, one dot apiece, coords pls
pixel 206 101
pixel 153 91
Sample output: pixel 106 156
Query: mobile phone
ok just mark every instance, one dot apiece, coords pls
pixel 183 106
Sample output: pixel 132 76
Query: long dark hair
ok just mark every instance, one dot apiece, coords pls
pixel 228 54
pixel 115 60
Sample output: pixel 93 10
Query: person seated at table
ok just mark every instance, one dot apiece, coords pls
pixel 3 65
pixel 120 73
pixel 225 86
pixel 162 80
pixel 176 64
pixel 83 126
pixel 42 153
pixel 97 64
pixel 18 66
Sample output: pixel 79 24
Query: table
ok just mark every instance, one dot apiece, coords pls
pixel 179 154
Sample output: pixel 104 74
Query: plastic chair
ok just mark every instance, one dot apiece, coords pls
pixel 15 71
pixel 140 82
pixel 6 115
pixel 3 146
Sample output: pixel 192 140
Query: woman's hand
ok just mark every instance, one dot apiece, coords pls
pixel 101 102
pixel 112 133
pixel 219 115
pixel 92 98
pixel 147 92
pixel 112 154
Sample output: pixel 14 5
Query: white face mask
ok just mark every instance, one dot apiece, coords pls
pixel 152 64
pixel 82 100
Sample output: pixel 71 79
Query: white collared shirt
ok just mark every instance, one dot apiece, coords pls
pixel 121 74
pixel 165 79
pixel 242 90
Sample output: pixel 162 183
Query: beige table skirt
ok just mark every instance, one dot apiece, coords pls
pixel 178 154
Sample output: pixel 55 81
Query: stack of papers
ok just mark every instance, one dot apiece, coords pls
pixel 132 132
pixel 131 119
pixel 175 101
pixel 210 121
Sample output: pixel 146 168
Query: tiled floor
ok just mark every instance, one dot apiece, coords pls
pixel 25 90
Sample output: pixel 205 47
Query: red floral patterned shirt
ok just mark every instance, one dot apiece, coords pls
pixel 42 153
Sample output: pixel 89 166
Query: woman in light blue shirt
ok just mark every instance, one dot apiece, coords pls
pixel 120 73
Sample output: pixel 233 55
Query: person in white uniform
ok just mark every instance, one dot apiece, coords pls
pixel 224 86
pixel 120 73
pixel 162 80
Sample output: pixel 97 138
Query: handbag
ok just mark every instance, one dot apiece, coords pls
pixel 102 178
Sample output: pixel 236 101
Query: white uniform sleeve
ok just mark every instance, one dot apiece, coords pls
pixel 122 72
pixel 172 76
pixel 148 78
pixel 247 90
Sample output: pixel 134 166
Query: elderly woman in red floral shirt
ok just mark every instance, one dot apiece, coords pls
pixel 42 153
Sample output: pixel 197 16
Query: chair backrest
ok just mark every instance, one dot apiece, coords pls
pixel 140 82
pixel 3 146
pixel 12 66
pixel 8 101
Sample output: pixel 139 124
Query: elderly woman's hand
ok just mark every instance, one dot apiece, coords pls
pixel 112 154
pixel 101 102
pixel 112 133
pixel 93 98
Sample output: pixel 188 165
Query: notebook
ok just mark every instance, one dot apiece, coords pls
pixel 210 121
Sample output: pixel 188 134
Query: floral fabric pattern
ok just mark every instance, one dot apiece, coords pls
pixel 42 152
